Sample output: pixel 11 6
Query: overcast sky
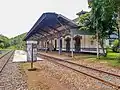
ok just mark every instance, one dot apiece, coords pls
pixel 18 16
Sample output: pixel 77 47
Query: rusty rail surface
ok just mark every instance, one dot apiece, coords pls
pixel 4 54
pixel 53 59
pixel 5 61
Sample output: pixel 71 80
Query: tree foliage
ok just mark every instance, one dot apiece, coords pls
pixel 12 43
pixel 17 42
pixel 115 46
pixel 4 41
pixel 85 23
pixel 102 19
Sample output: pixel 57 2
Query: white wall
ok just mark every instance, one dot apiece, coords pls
pixel 85 42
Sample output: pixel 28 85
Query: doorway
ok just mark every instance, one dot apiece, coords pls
pixel 67 44
pixel 55 48
pixel 77 43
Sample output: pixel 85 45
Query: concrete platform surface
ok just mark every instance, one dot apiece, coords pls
pixel 21 56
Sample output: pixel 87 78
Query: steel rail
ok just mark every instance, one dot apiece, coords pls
pixel 54 60
pixel 4 54
pixel 85 66
pixel 1 69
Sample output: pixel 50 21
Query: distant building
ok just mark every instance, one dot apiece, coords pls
pixel 81 13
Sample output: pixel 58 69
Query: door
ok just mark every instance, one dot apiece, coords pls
pixel 67 44
pixel 55 45
pixel 77 44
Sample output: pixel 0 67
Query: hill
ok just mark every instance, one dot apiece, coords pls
pixel 12 43
pixel 17 42
pixel 4 41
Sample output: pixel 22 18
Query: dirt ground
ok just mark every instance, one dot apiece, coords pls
pixel 50 76
pixel 40 79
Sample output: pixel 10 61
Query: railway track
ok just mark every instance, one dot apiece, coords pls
pixel 107 78
pixel 4 59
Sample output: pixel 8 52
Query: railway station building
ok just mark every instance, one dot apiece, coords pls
pixel 55 32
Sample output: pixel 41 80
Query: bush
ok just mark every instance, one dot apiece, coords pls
pixel 115 46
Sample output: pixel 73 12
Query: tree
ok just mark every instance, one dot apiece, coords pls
pixel 101 20
pixel 117 8
pixel 84 22
pixel 104 18
pixel 17 42
pixel 115 46
pixel 5 41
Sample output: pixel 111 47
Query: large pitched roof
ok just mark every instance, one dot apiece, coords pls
pixel 48 22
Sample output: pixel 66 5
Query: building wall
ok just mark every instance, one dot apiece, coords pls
pixel 86 42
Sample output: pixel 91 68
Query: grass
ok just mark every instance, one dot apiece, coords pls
pixel 24 65
pixel 112 59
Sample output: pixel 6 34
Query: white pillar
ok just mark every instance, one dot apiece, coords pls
pixel 51 46
pixel 59 44
pixel 46 46
pixel 72 44
pixel 97 45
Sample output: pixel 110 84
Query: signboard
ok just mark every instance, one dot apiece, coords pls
pixel 31 51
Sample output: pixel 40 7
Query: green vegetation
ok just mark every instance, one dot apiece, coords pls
pixel 112 59
pixel 17 42
pixel 4 42
pixel 12 43
pixel 115 46
pixel 102 20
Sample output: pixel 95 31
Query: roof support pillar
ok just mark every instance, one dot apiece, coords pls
pixel 72 54
pixel 46 46
pixel 51 45
pixel 60 44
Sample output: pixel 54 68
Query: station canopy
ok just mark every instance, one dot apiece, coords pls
pixel 50 25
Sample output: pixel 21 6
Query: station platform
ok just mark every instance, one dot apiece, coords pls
pixel 64 56
pixel 21 56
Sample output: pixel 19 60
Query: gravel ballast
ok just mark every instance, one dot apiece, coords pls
pixel 71 79
pixel 11 78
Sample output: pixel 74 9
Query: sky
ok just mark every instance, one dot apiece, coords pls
pixel 18 16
